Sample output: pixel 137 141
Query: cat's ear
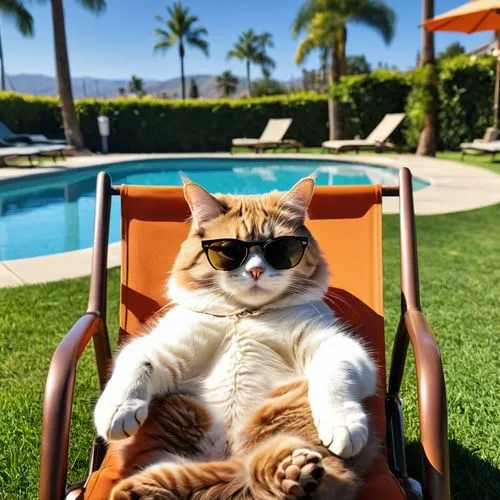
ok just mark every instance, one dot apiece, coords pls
pixel 204 207
pixel 297 200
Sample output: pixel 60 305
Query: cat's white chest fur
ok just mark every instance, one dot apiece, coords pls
pixel 252 360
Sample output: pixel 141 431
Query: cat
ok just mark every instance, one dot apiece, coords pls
pixel 249 387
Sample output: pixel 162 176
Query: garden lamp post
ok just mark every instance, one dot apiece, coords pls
pixel 103 125
pixel 472 17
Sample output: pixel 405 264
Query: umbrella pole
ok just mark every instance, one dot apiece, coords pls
pixel 496 105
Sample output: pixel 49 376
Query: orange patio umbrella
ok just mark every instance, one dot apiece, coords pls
pixel 474 16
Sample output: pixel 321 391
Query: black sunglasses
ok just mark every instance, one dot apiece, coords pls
pixel 227 254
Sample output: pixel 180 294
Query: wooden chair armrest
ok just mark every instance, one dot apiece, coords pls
pixel 432 406
pixel 57 405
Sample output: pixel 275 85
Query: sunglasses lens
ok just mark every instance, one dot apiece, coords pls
pixel 284 253
pixel 226 255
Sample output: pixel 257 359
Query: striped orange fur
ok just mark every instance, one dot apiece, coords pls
pixel 261 466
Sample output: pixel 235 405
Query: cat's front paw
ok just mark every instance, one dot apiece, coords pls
pixel 119 421
pixel 344 430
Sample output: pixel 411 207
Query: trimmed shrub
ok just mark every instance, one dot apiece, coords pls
pixel 156 125
pixel 466 99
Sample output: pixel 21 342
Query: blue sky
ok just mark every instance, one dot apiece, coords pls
pixel 119 42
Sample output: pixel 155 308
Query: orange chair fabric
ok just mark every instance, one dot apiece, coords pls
pixel 346 222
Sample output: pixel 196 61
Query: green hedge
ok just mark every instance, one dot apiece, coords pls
pixel 365 99
pixel 155 125
pixel 465 99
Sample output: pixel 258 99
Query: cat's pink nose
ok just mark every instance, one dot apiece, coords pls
pixel 256 272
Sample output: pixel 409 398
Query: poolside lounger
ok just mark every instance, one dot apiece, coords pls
pixel 376 140
pixel 355 293
pixel 481 146
pixel 52 150
pixel 271 138
pixel 12 152
pixel 26 139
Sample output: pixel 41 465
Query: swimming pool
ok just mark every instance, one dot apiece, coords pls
pixel 55 212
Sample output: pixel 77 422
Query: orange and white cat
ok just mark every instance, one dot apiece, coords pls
pixel 249 387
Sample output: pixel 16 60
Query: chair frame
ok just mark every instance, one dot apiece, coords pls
pixel 413 329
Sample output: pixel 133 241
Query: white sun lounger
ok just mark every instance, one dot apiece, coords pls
pixel 376 140
pixel 492 148
pixel 271 137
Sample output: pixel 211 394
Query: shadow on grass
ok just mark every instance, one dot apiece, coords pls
pixel 471 477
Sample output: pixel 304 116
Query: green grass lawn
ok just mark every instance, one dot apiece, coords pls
pixel 460 285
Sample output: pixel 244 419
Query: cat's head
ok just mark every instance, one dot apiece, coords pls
pixel 225 275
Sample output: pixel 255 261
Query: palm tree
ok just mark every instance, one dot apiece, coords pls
pixel 24 23
pixel 325 24
pixel 252 48
pixel 136 86
pixel 70 118
pixel 427 141
pixel 227 83
pixel 180 30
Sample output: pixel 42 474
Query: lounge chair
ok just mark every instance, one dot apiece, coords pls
pixel 376 140
pixel 26 139
pixel 271 138
pixel 356 293
pixel 14 152
pixel 52 150
pixel 488 144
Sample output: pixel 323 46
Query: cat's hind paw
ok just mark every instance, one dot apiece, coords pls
pixel 115 422
pixel 300 473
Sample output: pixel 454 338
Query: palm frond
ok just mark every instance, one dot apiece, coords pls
pixel 304 17
pixel 96 6
pixel 265 40
pixel 162 46
pixel 199 43
pixel 162 33
pixel 235 54
pixel 16 10
pixel 305 47
pixel 198 32
pixel 377 15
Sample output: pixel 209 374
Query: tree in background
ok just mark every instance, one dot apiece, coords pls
pixel 70 119
pixel 136 86
pixel 427 142
pixel 181 31
pixel 193 91
pixel 266 86
pixel 453 50
pixel 357 65
pixel 16 10
pixel 324 23
pixel 252 48
pixel 227 83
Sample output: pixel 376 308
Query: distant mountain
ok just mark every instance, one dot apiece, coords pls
pixel 101 87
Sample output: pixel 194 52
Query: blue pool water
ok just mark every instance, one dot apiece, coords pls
pixel 55 213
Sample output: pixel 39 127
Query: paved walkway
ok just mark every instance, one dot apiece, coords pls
pixel 454 187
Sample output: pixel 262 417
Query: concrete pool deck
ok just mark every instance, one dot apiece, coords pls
pixel 454 187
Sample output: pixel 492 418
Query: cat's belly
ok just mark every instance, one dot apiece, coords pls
pixel 245 373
